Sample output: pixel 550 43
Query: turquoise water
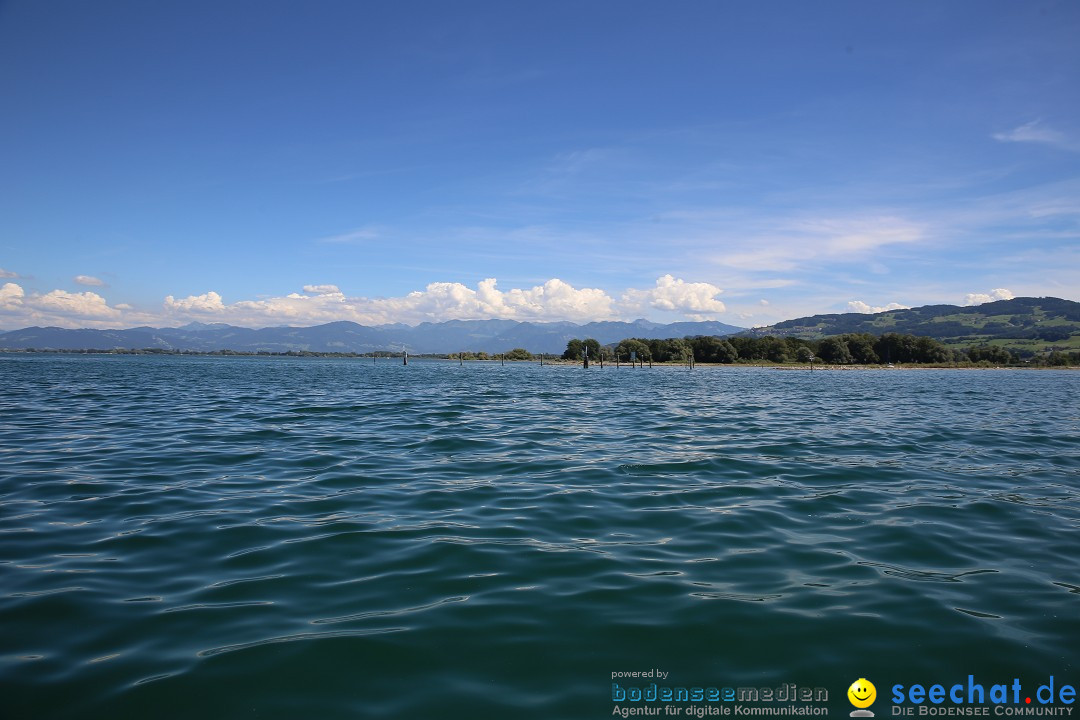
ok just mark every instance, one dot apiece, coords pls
pixel 276 537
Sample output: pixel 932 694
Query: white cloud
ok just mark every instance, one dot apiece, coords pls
pixel 83 305
pixel 322 289
pixel 65 309
pixel 11 296
pixel 554 300
pixel 859 306
pixel 695 300
pixel 980 298
pixel 850 237
pixel 792 245
pixel 1036 132
pixel 89 280
pixel 8 274
pixel 206 303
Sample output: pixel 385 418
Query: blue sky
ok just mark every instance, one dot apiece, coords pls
pixel 267 163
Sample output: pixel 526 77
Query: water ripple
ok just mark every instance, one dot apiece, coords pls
pixel 493 541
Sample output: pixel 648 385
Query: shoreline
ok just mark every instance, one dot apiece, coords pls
pixel 547 362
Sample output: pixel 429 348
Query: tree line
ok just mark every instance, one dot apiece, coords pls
pixel 846 349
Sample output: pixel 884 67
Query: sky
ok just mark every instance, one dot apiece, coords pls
pixel 291 163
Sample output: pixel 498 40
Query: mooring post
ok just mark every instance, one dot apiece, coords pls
pixel 461 359
pixel 406 358
pixel 541 359
pixel 586 357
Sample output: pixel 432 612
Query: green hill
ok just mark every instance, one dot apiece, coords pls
pixel 1025 325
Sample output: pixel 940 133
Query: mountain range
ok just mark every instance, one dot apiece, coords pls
pixel 491 336
pixel 1031 323
pixel 1024 323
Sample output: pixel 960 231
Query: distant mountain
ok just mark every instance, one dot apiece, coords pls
pixel 1020 322
pixel 491 336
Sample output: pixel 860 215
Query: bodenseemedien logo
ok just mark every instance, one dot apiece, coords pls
pixel 862 694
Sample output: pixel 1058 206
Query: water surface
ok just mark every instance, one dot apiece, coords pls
pixel 279 537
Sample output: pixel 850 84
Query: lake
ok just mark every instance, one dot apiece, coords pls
pixel 317 537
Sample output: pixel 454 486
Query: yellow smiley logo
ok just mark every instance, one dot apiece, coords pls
pixel 862 693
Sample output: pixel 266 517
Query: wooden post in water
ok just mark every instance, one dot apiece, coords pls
pixel 541 359
pixel 406 357
pixel 461 359
pixel 502 360
pixel 586 357
pixel 601 358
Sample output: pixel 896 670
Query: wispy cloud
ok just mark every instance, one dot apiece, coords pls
pixel 577 161
pixel 8 274
pixel 1036 132
pixel 89 281
pixel 353 237
pixel 791 245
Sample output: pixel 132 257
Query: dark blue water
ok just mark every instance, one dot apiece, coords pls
pixel 274 537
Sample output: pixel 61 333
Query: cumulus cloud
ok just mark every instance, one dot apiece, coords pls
pixel 84 305
pixel 11 296
pixel 61 308
pixel 859 306
pixel 671 294
pixel 209 302
pixel 89 280
pixel 995 294
pixel 8 274
pixel 322 289
pixel 554 300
